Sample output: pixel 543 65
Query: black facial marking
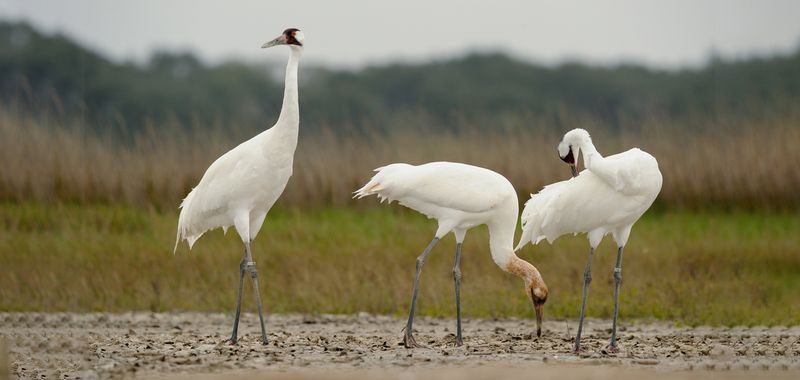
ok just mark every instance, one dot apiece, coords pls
pixel 289 34
pixel 569 158
pixel 536 300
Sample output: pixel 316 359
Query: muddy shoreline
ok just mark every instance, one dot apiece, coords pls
pixel 104 345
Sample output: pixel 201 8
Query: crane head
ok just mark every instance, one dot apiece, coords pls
pixel 291 36
pixel 570 147
pixel 566 155
pixel 538 294
pixel 534 285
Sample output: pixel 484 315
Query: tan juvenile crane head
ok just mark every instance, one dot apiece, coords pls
pixel 535 287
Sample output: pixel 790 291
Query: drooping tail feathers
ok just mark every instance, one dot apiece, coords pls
pixel 536 214
pixel 184 223
pixel 381 183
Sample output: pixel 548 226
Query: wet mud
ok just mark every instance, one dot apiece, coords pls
pixel 65 345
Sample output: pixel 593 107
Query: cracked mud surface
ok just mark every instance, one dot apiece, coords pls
pixel 103 345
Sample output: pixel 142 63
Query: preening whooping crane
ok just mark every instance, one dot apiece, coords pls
pixel 241 186
pixel 459 197
pixel 608 196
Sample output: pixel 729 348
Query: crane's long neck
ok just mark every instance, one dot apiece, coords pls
pixel 501 243
pixel 589 152
pixel 290 110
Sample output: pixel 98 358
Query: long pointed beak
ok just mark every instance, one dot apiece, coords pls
pixel 278 41
pixel 538 309
pixel 573 163
pixel 574 169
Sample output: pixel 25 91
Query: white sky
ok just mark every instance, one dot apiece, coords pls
pixel 666 33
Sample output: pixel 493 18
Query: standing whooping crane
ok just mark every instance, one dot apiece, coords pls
pixel 241 186
pixel 459 197
pixel 608 196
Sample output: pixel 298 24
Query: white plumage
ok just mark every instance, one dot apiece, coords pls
pixel 240 187
pixel 609 196
pixel 459 197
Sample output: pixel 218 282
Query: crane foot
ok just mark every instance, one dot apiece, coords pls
pixel 409 341
pixel 612 349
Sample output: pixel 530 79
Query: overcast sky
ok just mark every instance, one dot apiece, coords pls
pixel 665 33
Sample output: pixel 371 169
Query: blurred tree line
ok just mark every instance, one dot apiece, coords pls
pixel 53 74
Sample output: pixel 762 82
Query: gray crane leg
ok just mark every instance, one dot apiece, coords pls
pixel 251 266
pixel 234 335
pixel 617 281
pixel 587 279
pixel 457 279
pixel 408 338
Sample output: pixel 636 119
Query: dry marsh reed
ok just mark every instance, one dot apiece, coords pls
pixel 727 163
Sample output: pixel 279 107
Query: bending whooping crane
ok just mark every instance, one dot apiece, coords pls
pixel 241 186
pixel 608 196
pixel 459 197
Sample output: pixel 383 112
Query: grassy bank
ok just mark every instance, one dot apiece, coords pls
pixel 698 268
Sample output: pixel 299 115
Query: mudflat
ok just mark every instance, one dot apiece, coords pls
pixel 105 345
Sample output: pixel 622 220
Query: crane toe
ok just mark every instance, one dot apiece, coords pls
pixel 611 349
pixel 409 341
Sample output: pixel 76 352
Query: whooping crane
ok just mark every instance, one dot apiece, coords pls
pixel 241 186
pixel 608 196
pixel 459 197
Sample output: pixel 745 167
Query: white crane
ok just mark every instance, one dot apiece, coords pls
pixel 240 187
pixel 459 197
pixel 608 196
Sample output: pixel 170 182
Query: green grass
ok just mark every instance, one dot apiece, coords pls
pixel 717 268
